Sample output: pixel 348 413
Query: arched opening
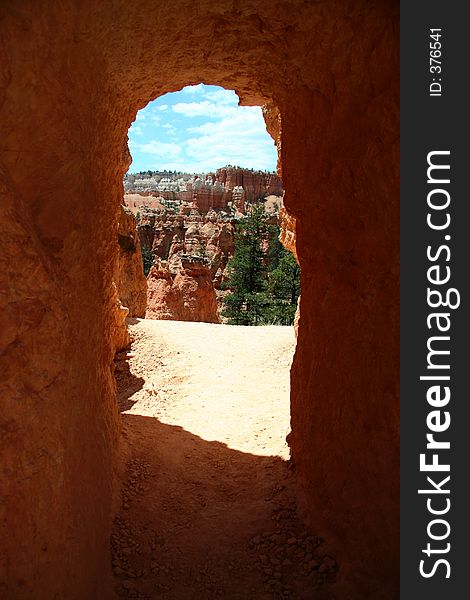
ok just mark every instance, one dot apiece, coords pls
pixel 208 499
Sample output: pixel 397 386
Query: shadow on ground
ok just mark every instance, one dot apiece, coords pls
pixel 200 520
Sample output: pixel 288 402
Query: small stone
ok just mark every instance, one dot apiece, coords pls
pixel 291 541
pixel 286 562
pixel 128 585
pixel 323 569
pixel 329 562
pixel 257 540
pixel 308 557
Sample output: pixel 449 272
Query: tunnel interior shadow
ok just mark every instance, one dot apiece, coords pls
pixel 208 519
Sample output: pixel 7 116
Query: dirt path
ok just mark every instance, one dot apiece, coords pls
pixel 208 505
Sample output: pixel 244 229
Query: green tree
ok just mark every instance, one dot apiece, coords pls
pixel 276 251
pixel 284 289
pixel 264 284
pixel 147 259
pixel 248 300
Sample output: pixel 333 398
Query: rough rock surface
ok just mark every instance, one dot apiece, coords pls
pixel 287 236
pixel 72 78
pixel 210 236
pixel 131 282
pixel 187 296
pixel 170 235
pixel 213 191
pixel 255 184
pixel 141 201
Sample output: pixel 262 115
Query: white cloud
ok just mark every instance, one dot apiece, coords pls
pixel 169 128
pixel 135 130
pixel 247 121
pixel 193 89
pixel 157 148
pixel 162 107
pixel 222 97
pixel 204 109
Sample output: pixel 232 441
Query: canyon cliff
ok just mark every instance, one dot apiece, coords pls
pixel 129 286
pixel 226 186
pixel 188 295
pixel 130 280
pixel 170 235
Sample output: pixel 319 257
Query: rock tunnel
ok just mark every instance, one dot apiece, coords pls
pixel 72 77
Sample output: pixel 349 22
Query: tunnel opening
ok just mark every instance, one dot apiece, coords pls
pixel 204 389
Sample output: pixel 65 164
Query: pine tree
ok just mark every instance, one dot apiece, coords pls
pixel 265 285
pixel 147 259
pixel 284 289
pixel 247 281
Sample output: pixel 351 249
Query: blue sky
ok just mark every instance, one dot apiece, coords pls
pixel 198 130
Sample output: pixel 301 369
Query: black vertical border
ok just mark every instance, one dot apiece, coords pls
pixel 427 124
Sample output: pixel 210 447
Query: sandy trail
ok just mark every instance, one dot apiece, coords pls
pixel 208 505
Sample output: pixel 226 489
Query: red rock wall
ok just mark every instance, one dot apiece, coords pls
pixel 130 280
pixel 256 185
pixel 187 296
pixel 72 77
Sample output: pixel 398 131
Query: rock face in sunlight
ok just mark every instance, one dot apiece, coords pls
pixel 210 236
pixel 169 235
pixel 72 77
pixel 287 236
pixel 130 280
pixel 130 284
pixel 187 296
pixel 255 185
pixel 227 186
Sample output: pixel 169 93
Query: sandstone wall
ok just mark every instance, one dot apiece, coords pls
pixel 72 77
pixel 130 279
pixel 187 296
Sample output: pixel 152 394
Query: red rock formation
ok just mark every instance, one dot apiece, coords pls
pixel 287 236
pixel 130 280
pixel 256 184
pixel 210 235
pixel 229 184
pixel 73 76
pixel 120 334
pixel 188 296
pixel 138 202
